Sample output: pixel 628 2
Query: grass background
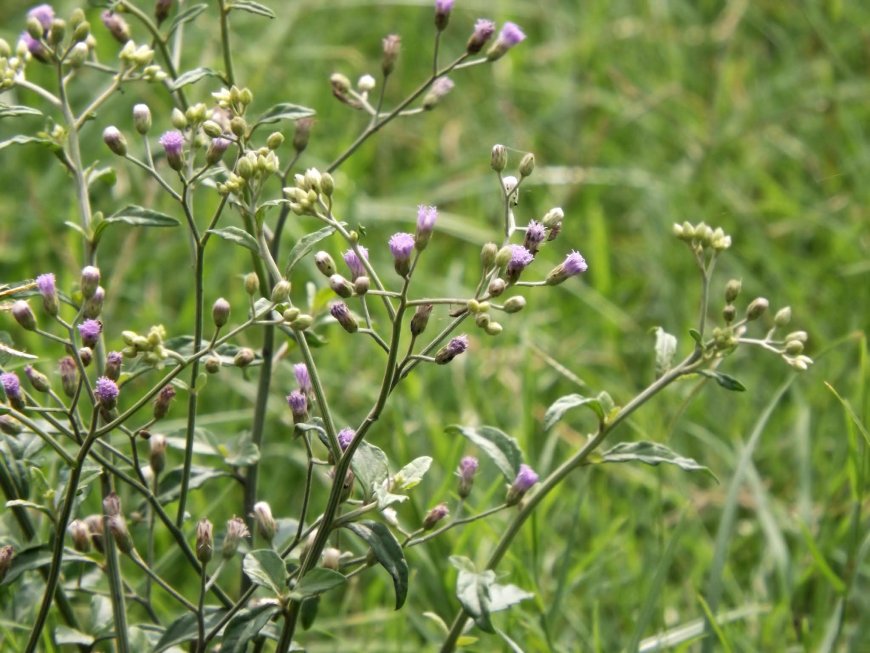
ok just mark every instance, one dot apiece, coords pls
pixel 748 115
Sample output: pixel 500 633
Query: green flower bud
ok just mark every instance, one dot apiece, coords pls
pixel 80 535
pixel 794 347
pixel 302 322
pixel 756 308
pixel 220 312
pixel 327 184
pixel 493 328
pixel 245 96
pixel 729 313
pixel 527 165
pixel 291 314
pixel 178 119
pixel 81 32
pixel 115 140
pixel 245 168
pixel 252 283
pixel 213 364
pixel 361 285
pixel 498 158
pixel 732 290
pixel 57 32
pixel 800 336
pixel 243 357
pixel 488 254
pixel 515 304
pixel 782 317
pixel 281 291
pixel 421 319
pixel 275 140
pixel 212 129
pixel 238 126
pixel 35 28
pixel 204 540
pixel 473 306
pixel 482 320
pixel 267 527
pixel 341 286
pixel 302 133
pixel 157 453
pixel 553 217
pixel 497 287
pixel 503 256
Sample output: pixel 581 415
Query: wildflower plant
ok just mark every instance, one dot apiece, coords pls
pixel 120 380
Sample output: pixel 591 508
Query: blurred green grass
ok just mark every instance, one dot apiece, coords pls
pixel 748 115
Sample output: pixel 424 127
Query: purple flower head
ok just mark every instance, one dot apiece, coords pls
pixel 343 316
pixel 113 365
pixel 35 48
pixel 116 25
pixel 573 265
pixel 467 469
pixel 442 13
pixel 46 286
pixel 345 435
pixel 520 259
pixel 298 406
pixel 357 269
pixel 535 234
pixel 90 331
pixel 401 246
pixel 90 281
pixel 525 479
pixel 426 217
pixel 442 86
pixel 106 392
pixel 173 144
pixel 483 31
pixel 435 515
pixel 11 385
pixel 164 398
pixel 302 377
pixel 216 149
pixel 508 37
pixel 452 349
pixel 44 14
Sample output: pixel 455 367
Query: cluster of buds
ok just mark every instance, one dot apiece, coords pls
pixel 116 523
pixel 150 345
pixel 237 531
pixel 309 189
pixel 11 67
pixel 140 56
pixel 44 37
pixel 234 100
pixel 702 235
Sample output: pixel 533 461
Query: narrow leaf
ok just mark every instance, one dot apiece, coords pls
pixel 317 581
pixel 192 76
pixel 651 453
pixel 411 474
pixel 252 7
pixel 186 16
pixel 284 111
pixel 304 246
pixel 15 110
pixel 389 553
pixel 139 216
pixel 186 628
pixel 501 448
pixel 24 140
pixel 9 351
pixel 562 405
pixel 727 382
pixel 266 568
pixel 245 626
pixel 238 236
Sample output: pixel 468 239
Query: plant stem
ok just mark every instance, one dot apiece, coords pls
pixel 229 75
pixel 113 571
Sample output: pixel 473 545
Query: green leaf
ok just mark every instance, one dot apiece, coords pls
pixel 385 498
pixel 411 474
pixel 284 111
pixel 170 483
pixel 317 581
pixel 186 628
pixel 15 110
pixel 472 590
pixel 192 76
pixel 501 597
pixel 24 140
pixel 238 236
pixel 304 245
pixel 22 503
pixel 6 350
pixel 562 405
pixel 245 626
pixel 388 551
pixel 66 635
pixel 651 453
pixel 245 453
pixel 266 568
pixel 186 16
pixel 251 7
pixel 727 382
pixel 136 216
pixel 501 448
pixel 370 467
pixel 35 557
pixel 106 175
pixel 666 349
pixel 696 336
pixel 308 612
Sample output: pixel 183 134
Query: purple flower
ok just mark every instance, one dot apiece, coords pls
pixel 23 315
pixel 298 406
pixel 483 31
pixel 442 86
pixel 300 370
pixel 508 37
pixel 164 398
pixel 435 515
pixel 452 349
pixel 216 149
pixel 401 246
pixel 345 435
pixel 35 48
pixel 525 479
pixel 116 25
pixel 467 469
pixel 106 392
pixel 113 365
pixel 343 316
pixel 46 286
pixel 357 269
pixel 44 14
pixel 573 265
pixel 426 217
pixel 535 234
pixel 11 386
pixel 90 281
pixel 173 143
pixel 520 259
pixel 90 331
pixel 442 13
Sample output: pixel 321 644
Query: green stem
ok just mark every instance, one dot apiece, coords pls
pixel 113 571
pixel 229 75
pixel 134 555
pixel 200 612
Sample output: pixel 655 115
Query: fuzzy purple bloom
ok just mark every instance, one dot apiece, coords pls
pixel 535 234
pixel 401 246
pixel 298 406
pixel 466 471
pixel 442 86
pixel 483 31
pixel 345 436
pixel 452 349
pixel 426 217
pixel 11 385
pixel 525 479
pixel 520 259
pixel 357 269
pixel 173 144
pixel 435 515
pixel 113 365
pixel 44 14
pixel 509 36
pixel 300 370
pixel 442 13
pixel 35 48
pixel 45 284
pixel 343 316
pixel 573 265
pixel 90 331
pixel 106 392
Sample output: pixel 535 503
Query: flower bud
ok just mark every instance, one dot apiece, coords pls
pixel 23 315
pixel 281 291
pixel 93 305
pixel 483 31
pixel 163 400
pixel 732 290
pixel 267 527
pixel 503 256
pixel 498 158
pixel 80 535
pixel 466 471
pixel 112 505
pixel 493 328
pixel 298 403
pixel 782 317
pixel 343 316
pixel 177 118
pixel 361 285
pixel 7 552
pixel 252 283
pixel 81 32
pixel 420 319
pixel 245 168
pixel 239 126
pixel 800 336
pixel 68 375
pixel 157 453
pixel 90 331
pixel 324 263
pixel 515 304
pixel 794 347
pixel 341 286
pixel 391 46
pixel 302 322
pixel 142 118
pixel 216 150
pixel 527 165
pixel 497 287
pixel 525 479
pixel 90 281
pixel 204 540
pixel 115 140
pixel 275 140
pixel 729 313
pixel 508 37
pixel 12 388
pixel 434 516
pixel 331 558
pixel 86 354
pixel 244 357
pixel 118 528
pixel 94 524
pixel 212 364
pixel 9 426
pixel 451 350
pixel 38 380
pixel 488 255
pixel 117 26
pixel 236 532
pixel 302 133
pixel 756 308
